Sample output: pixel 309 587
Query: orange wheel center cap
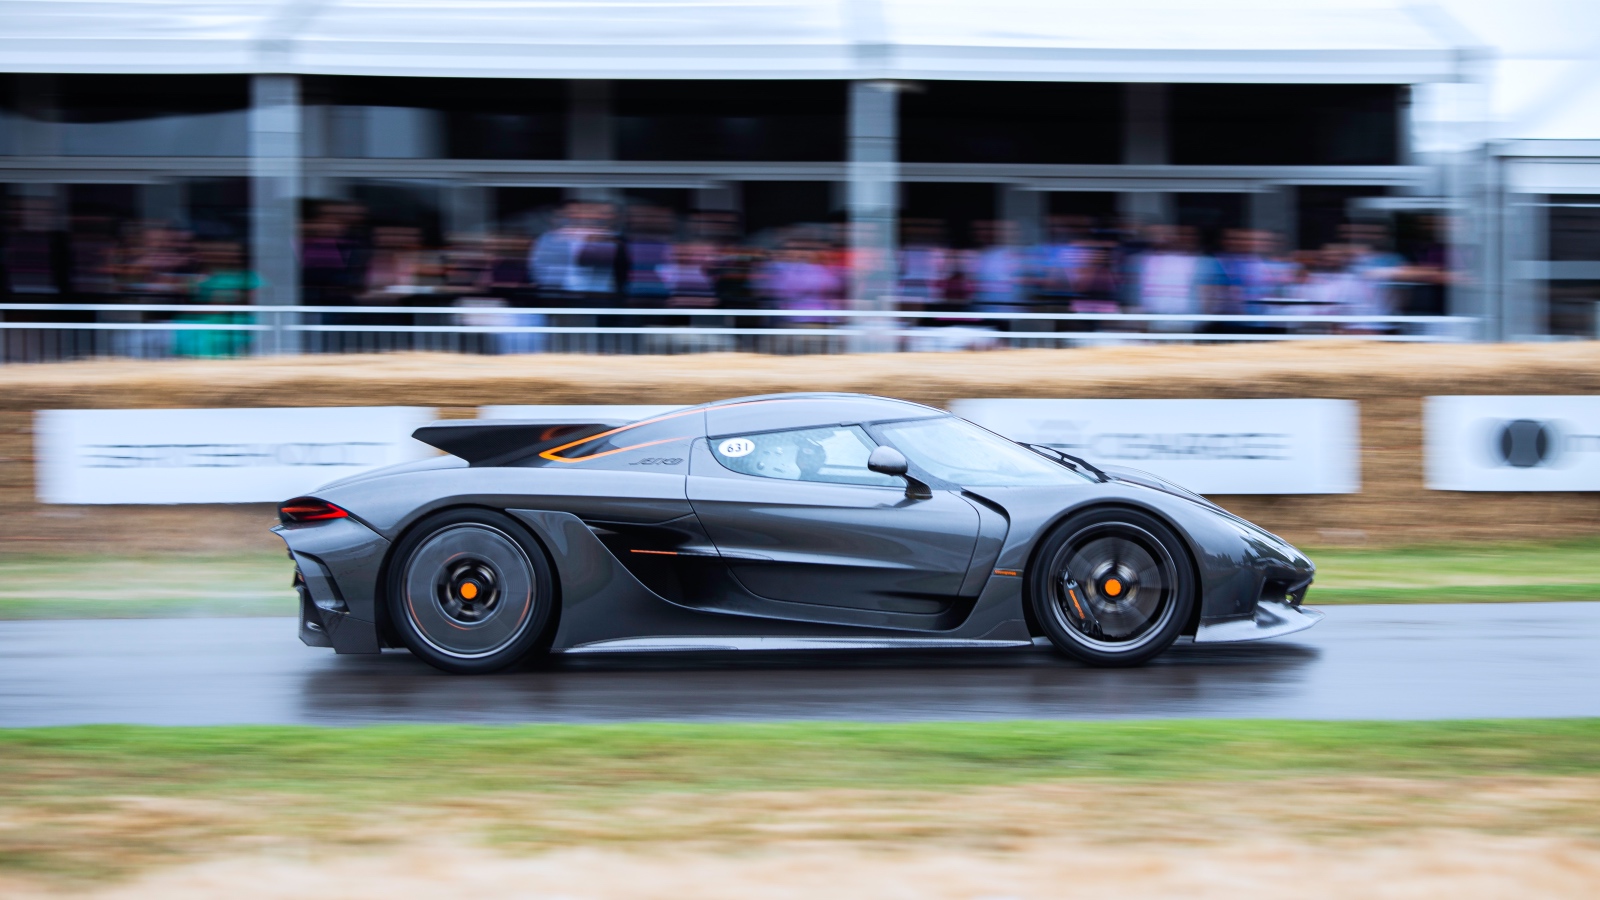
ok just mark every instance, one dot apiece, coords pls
pixel 1113 587
pixel 469 591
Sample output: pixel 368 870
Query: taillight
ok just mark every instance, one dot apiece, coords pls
pixel 308 509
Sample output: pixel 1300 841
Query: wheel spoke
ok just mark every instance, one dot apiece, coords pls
pixel 469 590
pixel 1123 577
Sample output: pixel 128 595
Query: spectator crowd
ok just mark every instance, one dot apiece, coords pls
pixel 640 260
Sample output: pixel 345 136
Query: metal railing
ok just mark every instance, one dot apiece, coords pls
pixel 45 332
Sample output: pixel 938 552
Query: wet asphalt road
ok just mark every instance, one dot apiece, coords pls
pixel 1380 662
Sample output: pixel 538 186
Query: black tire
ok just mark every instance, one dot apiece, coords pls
pixel 1112 587
pixel 470 591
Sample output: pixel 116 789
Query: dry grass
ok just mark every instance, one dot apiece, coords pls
pixel 1330 837
pixel 1262 370
pixel 178 811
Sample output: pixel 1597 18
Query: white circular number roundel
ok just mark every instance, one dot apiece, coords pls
pixel 736 447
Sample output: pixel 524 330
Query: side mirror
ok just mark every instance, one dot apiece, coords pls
pixel 887 461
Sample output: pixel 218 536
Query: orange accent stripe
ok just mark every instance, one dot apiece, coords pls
pixel 1012 572
pixel 1074 595
pixel 551 453
pixel 656 552
pixel 580 459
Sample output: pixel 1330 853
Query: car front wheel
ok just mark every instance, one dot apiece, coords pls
pixel 1112 587
pixel 470 591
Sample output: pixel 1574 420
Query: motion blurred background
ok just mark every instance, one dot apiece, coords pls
pixel 1334 264
pixel 1364 167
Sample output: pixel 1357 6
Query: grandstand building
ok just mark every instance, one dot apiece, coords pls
pixel 1289 117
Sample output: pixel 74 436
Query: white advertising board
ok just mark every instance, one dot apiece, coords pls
pixel 1207 446
pixel 559 413
pixel 1526 443
pixel 215 455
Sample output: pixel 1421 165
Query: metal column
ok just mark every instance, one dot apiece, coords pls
pixel 1025 210
pixel 874 177
pixel 1145 143
pixel 468 210
pixel 274 204
pixel 591 133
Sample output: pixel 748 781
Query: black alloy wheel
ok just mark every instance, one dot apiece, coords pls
pixel 470 591
pixel 1112 587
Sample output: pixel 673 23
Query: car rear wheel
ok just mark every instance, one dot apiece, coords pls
pixel 470 591
pixel 1112 587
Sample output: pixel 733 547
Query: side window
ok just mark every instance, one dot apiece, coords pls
pixel 836 454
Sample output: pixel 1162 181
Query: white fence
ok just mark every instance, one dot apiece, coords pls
pixel 45 332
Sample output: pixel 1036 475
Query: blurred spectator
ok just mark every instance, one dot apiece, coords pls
pixel 331 270
pixel 998 281
pixel 1334 287
pixel 33 257
pixel 642 256
pixel 689 275
pixel 1173 277
pixel 159 266
pixel 94 259
pixel 225 281
pixel 649 254
pixel 512 285
pixel 798 277
pixel 925 264
pixel 400 267
pixel 576 263
pixel 1059 262
pixel 1425 279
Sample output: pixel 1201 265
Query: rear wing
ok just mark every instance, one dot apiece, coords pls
pixel 497 442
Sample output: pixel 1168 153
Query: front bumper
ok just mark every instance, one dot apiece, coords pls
pixel 1277 611
pixel 1273 618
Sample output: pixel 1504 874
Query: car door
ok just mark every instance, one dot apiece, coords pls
pixel 799 519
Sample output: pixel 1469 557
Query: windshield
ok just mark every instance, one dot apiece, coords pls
pixel 958 451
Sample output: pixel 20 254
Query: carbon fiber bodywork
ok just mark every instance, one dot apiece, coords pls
pixel 655 544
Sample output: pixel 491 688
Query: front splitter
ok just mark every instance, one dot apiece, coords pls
pixel 1272 619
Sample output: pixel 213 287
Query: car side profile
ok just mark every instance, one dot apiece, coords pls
pixel 775 522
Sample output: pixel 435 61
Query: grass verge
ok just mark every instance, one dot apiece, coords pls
pixel 422 761
pixel 80 805
pixel 1459 573
pixel 99 587
pixel 68 587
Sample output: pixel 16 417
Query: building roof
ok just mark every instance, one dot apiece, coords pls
pixel 1053 40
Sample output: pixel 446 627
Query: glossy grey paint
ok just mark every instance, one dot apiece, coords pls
pixel 340 560
pixel 843 545
pixel 763 557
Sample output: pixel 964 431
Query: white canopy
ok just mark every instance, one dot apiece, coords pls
pixel 1034 40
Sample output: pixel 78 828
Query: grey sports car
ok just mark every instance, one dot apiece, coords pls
pixel 776 522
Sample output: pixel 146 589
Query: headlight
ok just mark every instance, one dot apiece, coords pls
pixel 1253 533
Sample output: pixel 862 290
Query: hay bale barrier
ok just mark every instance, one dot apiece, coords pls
pixel 1389 380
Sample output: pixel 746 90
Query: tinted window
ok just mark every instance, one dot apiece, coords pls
pixel 956 450
pixel 836 454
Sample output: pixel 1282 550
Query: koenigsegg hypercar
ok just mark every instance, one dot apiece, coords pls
pixel 785 522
